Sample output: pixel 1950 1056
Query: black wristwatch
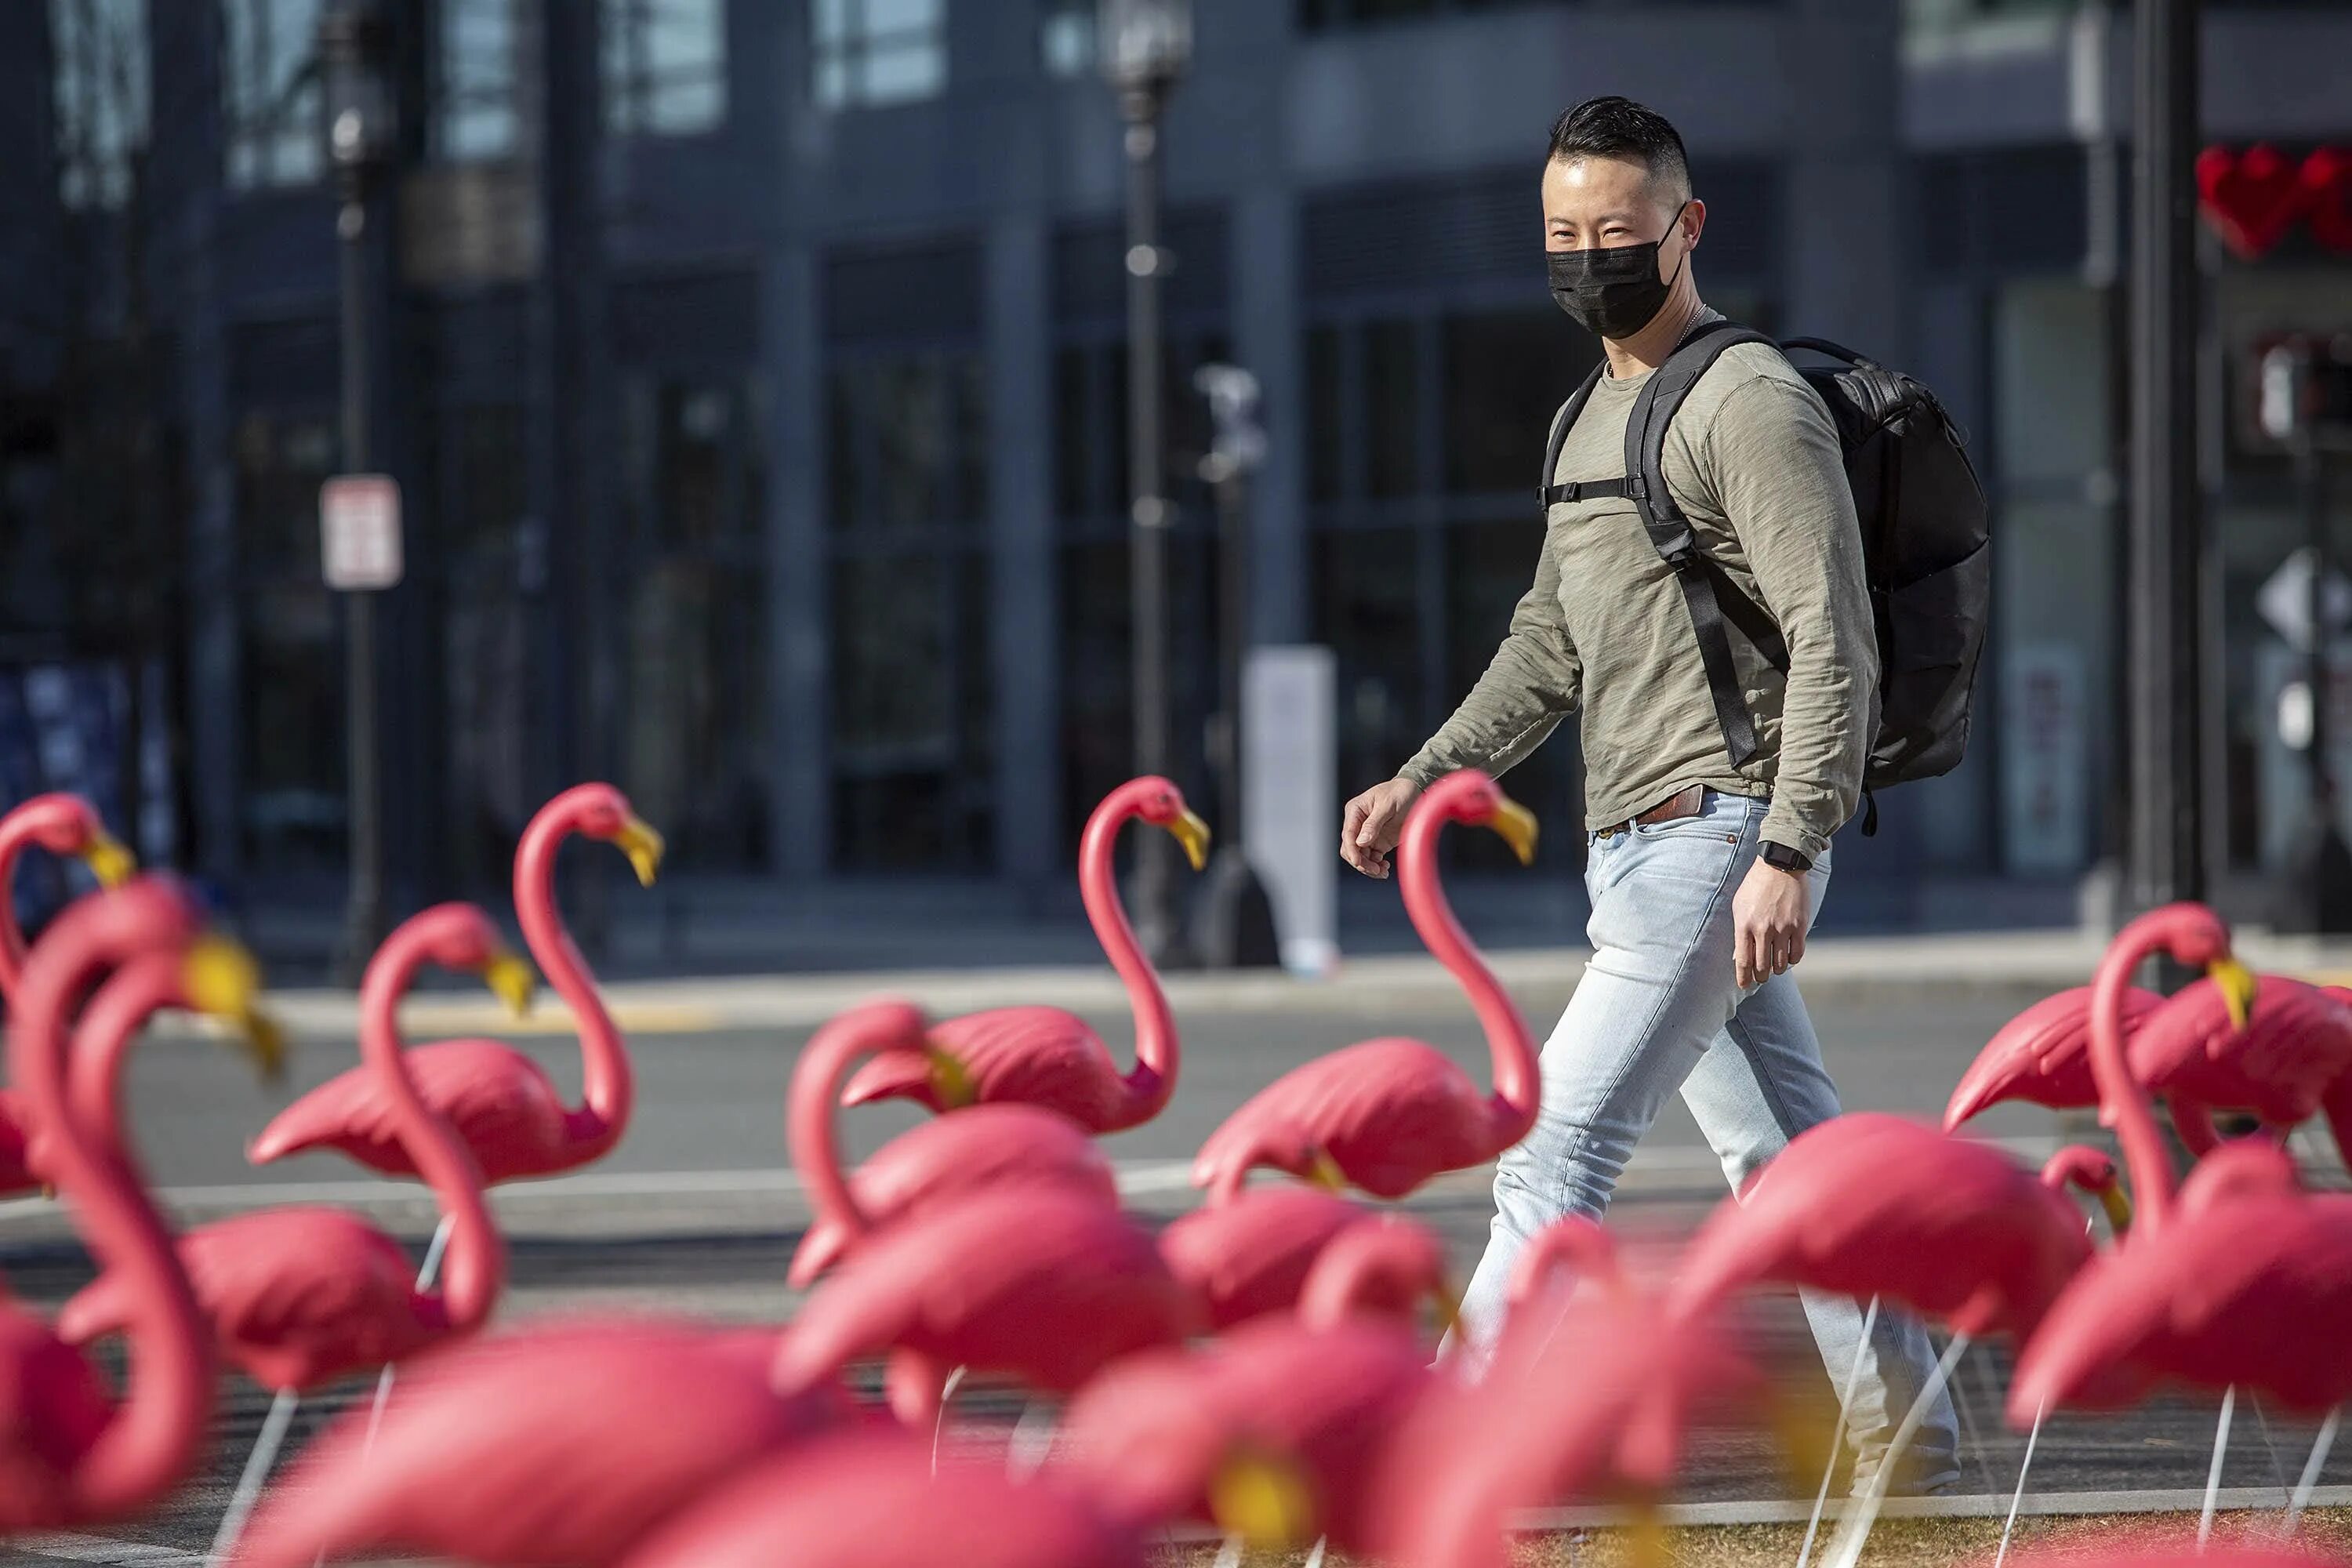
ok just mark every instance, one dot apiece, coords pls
pixel 1781 858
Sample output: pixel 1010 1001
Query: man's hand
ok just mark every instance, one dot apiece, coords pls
pixel 1768 920
pixel 1373 819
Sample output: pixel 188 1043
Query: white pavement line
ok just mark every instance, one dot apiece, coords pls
pixel 2178 1500
pixel 102 1549
pixel 1136 1178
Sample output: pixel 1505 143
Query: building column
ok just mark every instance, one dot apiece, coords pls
pixel 1024 590
pixel 1843 222
pixel 791 344
pixel 1266 341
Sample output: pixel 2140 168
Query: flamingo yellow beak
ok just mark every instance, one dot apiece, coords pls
pixel 1516 826
pixel 642 843
pixel 512 981
pixel 1189 830
pixel 1325 1172
pixel 224 982
pixel 1263 1499
pixel 109 859
pixel 952 1083
pixel 2237 986
pixel 2118 1206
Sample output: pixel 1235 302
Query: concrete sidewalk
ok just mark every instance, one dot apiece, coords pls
pixel 2023 962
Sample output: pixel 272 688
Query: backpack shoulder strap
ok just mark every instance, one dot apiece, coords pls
pixel 1670 530
pixel 1548 494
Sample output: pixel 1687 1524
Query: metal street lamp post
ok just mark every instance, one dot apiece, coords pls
pixel 1146 45
pixel 359 127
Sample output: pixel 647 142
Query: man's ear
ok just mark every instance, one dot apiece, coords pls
pixel 1694 221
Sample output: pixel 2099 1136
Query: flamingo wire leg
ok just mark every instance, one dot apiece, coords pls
pixel 2311 1468
pixel 939 1427
pixel 256 1471
pixel 1032 1441
pixel 2263 1425
pixel 1314 1553
pixel 1846 1403
pixel 2009 1525
pixel 1229 1554
pixel 1853 1530
pixel 427 1273
pixel 2213 1471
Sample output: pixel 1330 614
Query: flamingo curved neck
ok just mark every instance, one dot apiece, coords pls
pixel 1362 1261
pixel 473 1270
pixel 1574 1246
pixel 15 834
pixel 808 1120
pixel 608 1089
pixel 1511 1048
pixel 1157 1050
pixel 2124 1104
pixel 157 1430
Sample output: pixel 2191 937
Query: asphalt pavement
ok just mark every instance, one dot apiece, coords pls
pixel 697 1210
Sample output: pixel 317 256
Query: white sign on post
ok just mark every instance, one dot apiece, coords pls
pixel 359 531
pixel 1290 807
pixel 2045 758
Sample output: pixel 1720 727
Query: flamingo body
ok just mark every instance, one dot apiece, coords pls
pixel 54 1406
pixel 16 1173
pixel 501 1104
pixel 2231 1292
pixel 2042 1057
pixel 1389 1114
pixel 1317 1394
pixel 1867 1204
pixel 1044 1284
pixel 298 1297
pixel 1035 1056
pixel 2295 1048
pixel 983 1146
pixel 1252 1255
pixel 871 1500
pixel 559 1447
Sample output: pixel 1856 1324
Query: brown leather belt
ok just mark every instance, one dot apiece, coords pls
pixel 1673 808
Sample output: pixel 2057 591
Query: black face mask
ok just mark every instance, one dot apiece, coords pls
pixel 1613 291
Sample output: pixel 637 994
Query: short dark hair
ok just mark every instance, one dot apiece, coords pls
pixel 1620 128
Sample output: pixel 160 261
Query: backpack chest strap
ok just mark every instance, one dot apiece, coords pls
pixel 1624 487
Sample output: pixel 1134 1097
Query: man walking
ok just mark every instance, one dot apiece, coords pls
pixel 1704 874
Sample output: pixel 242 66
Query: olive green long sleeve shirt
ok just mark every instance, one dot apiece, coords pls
pixel 1753 460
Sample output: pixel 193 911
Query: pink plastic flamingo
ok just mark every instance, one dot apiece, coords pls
pixel 1596 1388
pixel 1386 1115
pixel 302 1296
pixel 507 1111
pixel 560 1446
pixel 984 1146
pixel 1252 1255
pixel 1044 1283
pixel 2043 1057
pixel 870 1501
pixel 2286 1058
pixel 69 1453
pixel 1276 1428
pixel 1049 1058
pixel 62 824
pixel 2237 1284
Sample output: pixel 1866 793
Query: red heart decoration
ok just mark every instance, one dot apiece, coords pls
pixel 2251 198
pixel 2326 181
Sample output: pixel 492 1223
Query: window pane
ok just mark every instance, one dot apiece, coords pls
pixel 1488 569
pixel 1325 408
pixel 881 18
pixel 289 666
pixel 1097 699
pixel 1076 427
pixel 664 66
pixel 99 84
pixel 269 93
pixel 903 71
pixel 845 392
pixel 1367 609
pixel 1066 40
pixel 475 111
pixel 891 671
pixel 1392 409
pixel 1505 373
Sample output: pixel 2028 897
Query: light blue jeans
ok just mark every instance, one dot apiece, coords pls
pixel 1659 1009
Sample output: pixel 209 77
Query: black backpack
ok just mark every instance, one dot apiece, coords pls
pixel 1924 531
